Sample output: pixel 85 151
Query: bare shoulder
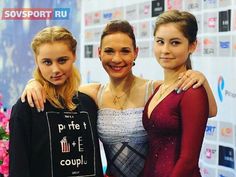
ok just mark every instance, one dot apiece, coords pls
pixel 140 82
pixel 90 89
pixel 157 83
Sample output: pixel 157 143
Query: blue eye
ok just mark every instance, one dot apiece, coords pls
pixel 62 60
pixel 47 62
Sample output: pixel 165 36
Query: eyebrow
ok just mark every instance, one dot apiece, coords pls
pixel 156 37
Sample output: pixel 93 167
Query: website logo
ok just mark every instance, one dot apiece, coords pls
pixel 227 132
pixel 210 153
pixel 224 44
pixel 210 129
pixel 35 13
pixel 226 156
pixel 221 85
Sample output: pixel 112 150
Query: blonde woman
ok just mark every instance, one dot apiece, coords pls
pixel 62 140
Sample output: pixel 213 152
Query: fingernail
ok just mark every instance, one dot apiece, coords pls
pixel 178 91
pixel 176 88
pixel 38 110
pixel 42 110
pixel 32 105
pixel 23 101
pixel 184 88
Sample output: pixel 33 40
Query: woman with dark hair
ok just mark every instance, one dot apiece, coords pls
pixel 175 123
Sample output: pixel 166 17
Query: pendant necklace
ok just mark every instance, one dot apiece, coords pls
pixel 163 89
pixel 116 98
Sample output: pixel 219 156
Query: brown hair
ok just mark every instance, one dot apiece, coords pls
pixel 58 97
pixel 115 26
pixel 186 22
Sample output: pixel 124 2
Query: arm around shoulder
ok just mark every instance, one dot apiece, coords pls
pixel 91 90
pixel 211 100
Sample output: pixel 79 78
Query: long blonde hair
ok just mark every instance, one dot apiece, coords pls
pixel 60 97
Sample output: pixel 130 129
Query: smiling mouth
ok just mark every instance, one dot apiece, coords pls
pixel 116 68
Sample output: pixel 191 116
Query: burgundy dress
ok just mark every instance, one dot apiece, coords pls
pixel 175 133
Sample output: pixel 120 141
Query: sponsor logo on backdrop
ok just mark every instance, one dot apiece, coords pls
pixel 208 172
pixel 225 173
pixel 210 130
pixel 107 15
pixel 220 87
pixel 211 22
pixel 192 5
pixel 224 44
pixel 97 18
pixel 158 6
pixel 88 18
pixel 222 91
pixel 209 46
pixel 224 20
pixel 177 4
pixel 209 153
pixel 88 51
pixel 210 3
pixel 226 156
pixel 35 13
pixel 235 136
pixel 131 12
pixel 145 10
pixel 226 132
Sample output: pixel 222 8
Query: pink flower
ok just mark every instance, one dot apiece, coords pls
pixel 4 141
pixel 4 168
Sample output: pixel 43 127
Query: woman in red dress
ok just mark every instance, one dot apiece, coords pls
pixel 175 123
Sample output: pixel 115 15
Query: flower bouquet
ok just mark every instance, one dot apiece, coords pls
pixel 4 142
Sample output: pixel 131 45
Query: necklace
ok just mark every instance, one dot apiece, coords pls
pixel 117 98
pixel 164 88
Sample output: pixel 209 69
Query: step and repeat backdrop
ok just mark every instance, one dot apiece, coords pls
pixel 215 57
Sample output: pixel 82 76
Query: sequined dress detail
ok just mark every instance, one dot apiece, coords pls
pixel 124 138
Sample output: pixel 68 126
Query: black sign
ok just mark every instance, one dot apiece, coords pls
pixel 157 7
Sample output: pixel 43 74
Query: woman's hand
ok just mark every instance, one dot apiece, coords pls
pixel 35 94
pixel 195 79
pixel 190 78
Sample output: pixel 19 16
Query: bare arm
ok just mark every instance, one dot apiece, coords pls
pixel 36 96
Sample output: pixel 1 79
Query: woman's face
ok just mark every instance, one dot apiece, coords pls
pixel 117 55
pixel 171 47
pixel 55 62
